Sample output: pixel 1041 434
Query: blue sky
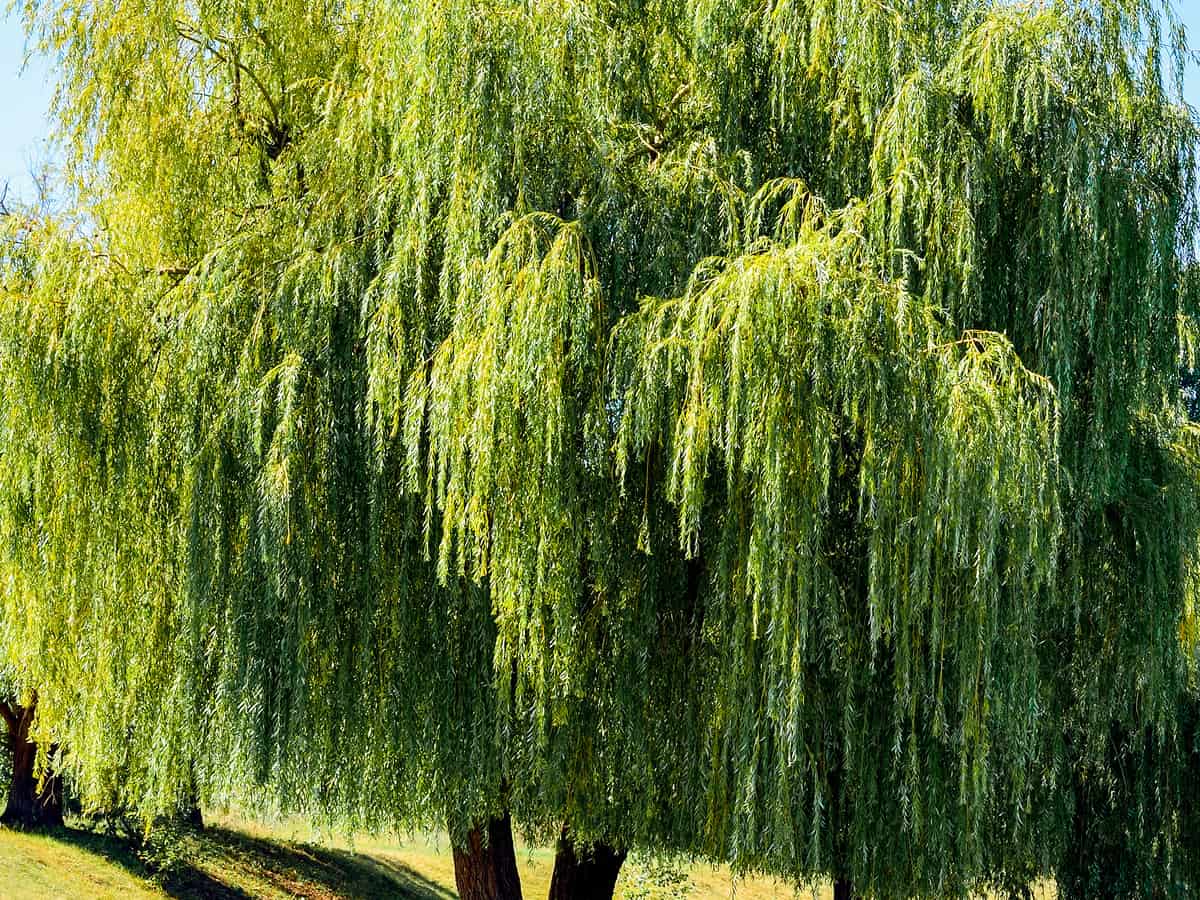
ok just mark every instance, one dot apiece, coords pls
pixel 1189 10
pixel 26 87
pixel 24 95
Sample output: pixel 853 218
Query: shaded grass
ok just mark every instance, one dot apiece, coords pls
pixel 260 867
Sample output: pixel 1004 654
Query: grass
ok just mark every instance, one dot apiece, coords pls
pixel 233 859
pixel 58 865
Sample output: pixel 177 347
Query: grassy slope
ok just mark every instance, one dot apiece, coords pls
pixel 38 867
pixel 234 859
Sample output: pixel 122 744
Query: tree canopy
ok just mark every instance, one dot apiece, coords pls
pixel 751 429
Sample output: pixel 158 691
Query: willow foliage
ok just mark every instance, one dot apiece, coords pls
pixel 885 512
pixel 78 470
pixel 751 429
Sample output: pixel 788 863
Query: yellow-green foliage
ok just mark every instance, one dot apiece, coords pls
pixel 744 428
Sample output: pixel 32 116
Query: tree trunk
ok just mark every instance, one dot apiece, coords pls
pixel 191 815
pixel 590 876
pixel 28 807
pixel 486 868
pixel 843 889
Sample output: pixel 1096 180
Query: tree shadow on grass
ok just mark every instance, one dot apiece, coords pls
pixel 309 870
pixel 185 882
pixel 219 864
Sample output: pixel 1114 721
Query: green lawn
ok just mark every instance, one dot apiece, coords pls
pixel 236 859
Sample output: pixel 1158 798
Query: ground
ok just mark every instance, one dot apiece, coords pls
pixel 234 859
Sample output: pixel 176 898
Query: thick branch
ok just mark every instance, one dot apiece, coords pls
pixel 174 271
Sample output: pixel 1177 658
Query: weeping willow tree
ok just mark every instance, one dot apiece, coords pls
pixel 744 429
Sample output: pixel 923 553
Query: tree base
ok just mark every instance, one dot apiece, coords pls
pixel 28 806
pixel 192 816
pixel 587 875
pixel 487 869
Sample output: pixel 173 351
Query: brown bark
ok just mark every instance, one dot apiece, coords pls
pixel 30 805
pixel 843 889
pixel 585 873
pixel 486 867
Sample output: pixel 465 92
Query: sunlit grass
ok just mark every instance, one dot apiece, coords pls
pixel 42 867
